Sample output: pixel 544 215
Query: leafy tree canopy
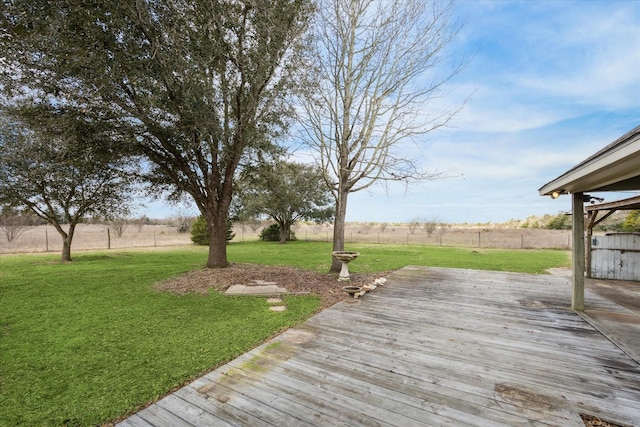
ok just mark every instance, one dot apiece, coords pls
pixel 631 222
pixel 287 192
pixel 63 166
pixel 201 86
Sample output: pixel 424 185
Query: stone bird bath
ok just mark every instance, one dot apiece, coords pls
pixel 345 257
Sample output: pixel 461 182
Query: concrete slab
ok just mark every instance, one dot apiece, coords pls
pixel 261 290
pixel 620 323
pixel 255 290
pixel 262 283
pixel 623 329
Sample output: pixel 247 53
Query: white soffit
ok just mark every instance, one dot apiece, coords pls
pixel 614 168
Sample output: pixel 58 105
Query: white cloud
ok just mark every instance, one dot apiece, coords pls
pixel 540 63
pixel 498 110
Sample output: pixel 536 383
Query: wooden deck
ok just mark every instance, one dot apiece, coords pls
pixel 433 347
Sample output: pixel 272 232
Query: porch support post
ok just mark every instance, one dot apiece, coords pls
pixel 578 252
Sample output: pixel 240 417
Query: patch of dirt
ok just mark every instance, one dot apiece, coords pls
pixel 522 397
pixel 326 285
pixel 592 421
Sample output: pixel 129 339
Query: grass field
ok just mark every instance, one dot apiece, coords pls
pixel 96 236
pixel 376 257
pixel 86 342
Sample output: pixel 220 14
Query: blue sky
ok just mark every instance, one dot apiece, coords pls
pixel 551 82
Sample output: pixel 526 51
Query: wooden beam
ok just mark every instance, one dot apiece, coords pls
pixel 578 252
pixel 631 203
pixel 594 220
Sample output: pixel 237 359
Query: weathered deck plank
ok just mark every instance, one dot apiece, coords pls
pixel 433 347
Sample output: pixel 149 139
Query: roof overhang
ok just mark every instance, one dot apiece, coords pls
pixel 614 168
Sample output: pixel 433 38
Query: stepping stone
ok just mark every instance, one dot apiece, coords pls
pixel 252 290
pixel 235 290
pixel 261 290
pixel 255 290
pixel 275 300
pixel 262 283
pixel 278 308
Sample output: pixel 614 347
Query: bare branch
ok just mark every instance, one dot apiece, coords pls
pixel 380 69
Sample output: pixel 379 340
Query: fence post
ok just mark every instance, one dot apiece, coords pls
pixel 479 243
pixel 46 238
pixel 108 239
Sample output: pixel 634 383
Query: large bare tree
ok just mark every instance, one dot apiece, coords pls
pixel 200 85
pixel 379 67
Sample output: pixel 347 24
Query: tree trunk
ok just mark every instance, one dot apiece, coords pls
pixel 66 250
pixel 67 238
pixel 217 241
pixel 284 233
pixel 338 229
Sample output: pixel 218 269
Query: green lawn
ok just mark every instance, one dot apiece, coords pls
pixel 86 342
pixel 374 257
